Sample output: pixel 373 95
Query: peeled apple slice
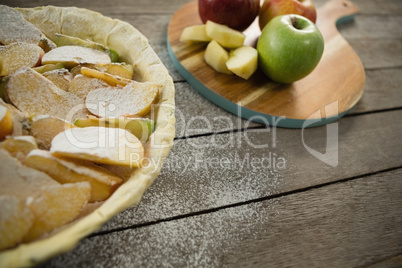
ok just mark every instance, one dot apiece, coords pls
pixel 142 128
pixel 15 220
pixel 45 128
pixel 6 122
pixel 111 79
pixel 136 98
pixel 19 146
pixel 71 56
pixel 224 35
pixel 48 67
pixel 121 69
pixel 56 206
pixel 216 57
pixel 67 40
pixel 17 55
pixel 99 144
pixel 52 204
pixel 103 183
pixel 195 33
pixel 243 61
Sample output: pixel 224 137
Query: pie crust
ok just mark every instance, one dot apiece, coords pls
pixel 133 48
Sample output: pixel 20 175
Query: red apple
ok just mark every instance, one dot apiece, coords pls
pixel 273 8
pixel 237 14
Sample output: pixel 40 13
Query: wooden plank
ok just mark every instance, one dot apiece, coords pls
pixel 348 224
pixel 229 169
pixel 362 27
pixel 382 91
pixel 371 7
pixel 390 56
pixel 393 262
pixel 196 115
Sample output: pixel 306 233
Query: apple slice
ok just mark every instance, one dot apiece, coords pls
pixel 123 172
pixel 66 40
pixel 45 128
pixel 3 83
pixel 103 183
pixel 32 93
pixel 195 33
pixel 60 77
pixel 216 56
pixel 19 146
pixel 19 180
pixel 70 56
pixel 17 55
pixel 121 69
pixel 46 44
pixel 134 99
pixel 55 206
pixel 52 204
pixel 6 122
pixel 225 36
pixel 112 80
pixel 243 61
pixel 48 67
pixel 21 121
pixel 14 28
pixel 99 144
pixel 142 128
pixel 15 221
pixel 81 85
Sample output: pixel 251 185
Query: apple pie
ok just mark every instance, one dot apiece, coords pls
pixel 87 118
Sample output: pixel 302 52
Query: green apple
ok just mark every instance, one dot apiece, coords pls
pixel 289 48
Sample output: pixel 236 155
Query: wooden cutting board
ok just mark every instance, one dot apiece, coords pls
pixel 325 95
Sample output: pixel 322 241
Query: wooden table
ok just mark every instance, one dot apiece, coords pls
pixel 235 193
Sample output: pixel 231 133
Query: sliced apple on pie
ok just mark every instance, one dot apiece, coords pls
pixel 82 136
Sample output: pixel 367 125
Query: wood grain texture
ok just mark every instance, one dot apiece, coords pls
pixel 338 79
pixel 341 225
pixel 382 91
pixel 393 262
pixel 209 172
